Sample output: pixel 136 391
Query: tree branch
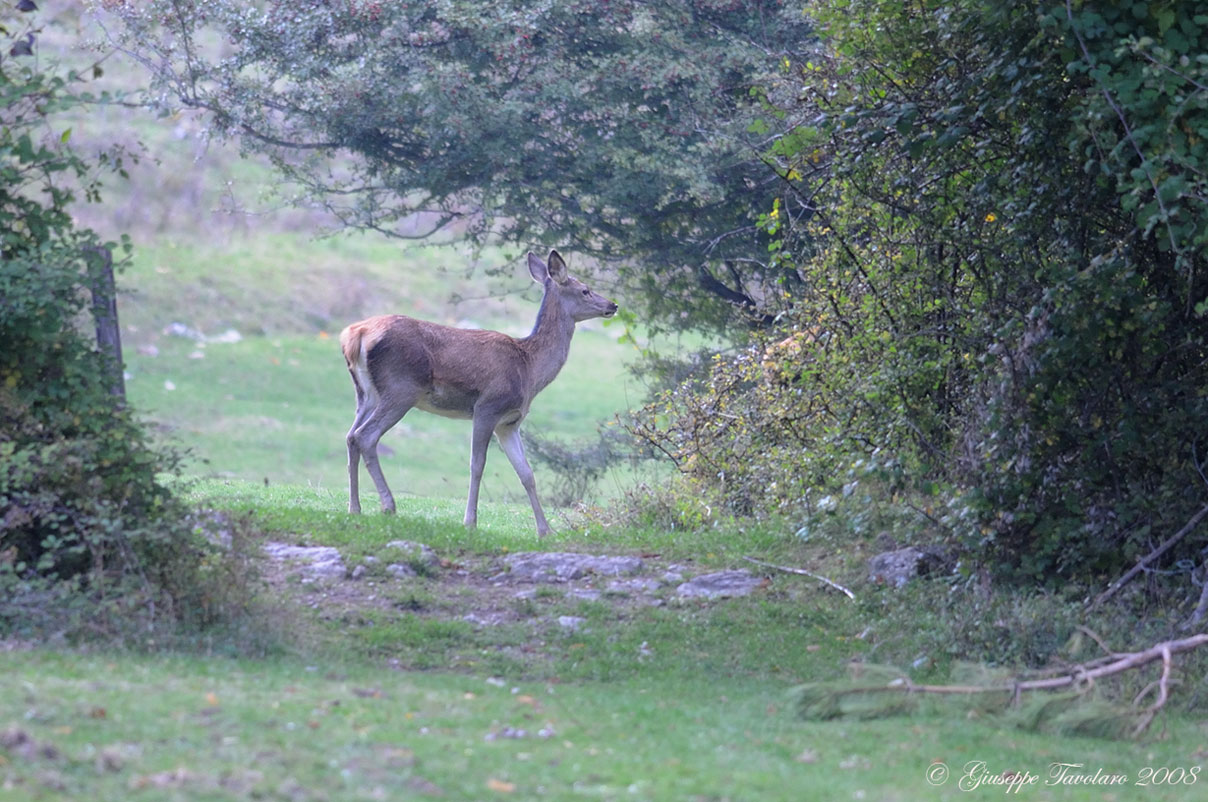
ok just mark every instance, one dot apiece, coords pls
pixel 1146 560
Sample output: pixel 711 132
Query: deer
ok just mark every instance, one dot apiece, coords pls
pixel 399 363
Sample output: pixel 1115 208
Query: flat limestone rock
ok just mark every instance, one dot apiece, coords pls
pixel 719 585
pixel 318 562
pixel 565 566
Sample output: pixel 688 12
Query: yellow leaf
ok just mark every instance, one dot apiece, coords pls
pixel 991 217
pixel 212 700
pixel 501 785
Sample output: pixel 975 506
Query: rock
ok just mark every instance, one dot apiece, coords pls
pixel 672 578
pixel 415 552
pixel 719 585
pixel 885 542
pixel 357 572
pixel 896 568
pixel 400 571
pixel 228 336
pixel 485 618
pixel 635 585
pixel 181 330
pixel 318 562
pixel 216 527
pixel 583 594
pixel 563 567
pixel 571 623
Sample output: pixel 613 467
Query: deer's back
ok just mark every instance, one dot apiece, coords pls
pixel 445 369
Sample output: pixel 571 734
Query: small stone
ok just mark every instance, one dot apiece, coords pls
pixel 399 570
pixel 417 552
pixel 571 623
pixel 357 572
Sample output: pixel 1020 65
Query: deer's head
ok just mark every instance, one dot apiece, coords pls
pixel 575 298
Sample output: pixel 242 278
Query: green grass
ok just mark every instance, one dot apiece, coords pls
pixel 316 515
pixel 120 727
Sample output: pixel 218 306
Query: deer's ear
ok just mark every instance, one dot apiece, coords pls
pixel 557 268
pixel 537 268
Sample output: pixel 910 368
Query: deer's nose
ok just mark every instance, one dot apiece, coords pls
pixel 612 310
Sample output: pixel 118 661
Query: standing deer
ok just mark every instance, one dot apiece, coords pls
pixel 398 363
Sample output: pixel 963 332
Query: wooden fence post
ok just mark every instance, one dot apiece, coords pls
pixel 104 312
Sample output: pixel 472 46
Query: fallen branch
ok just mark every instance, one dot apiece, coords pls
pixel 823 699
pixel 803 572
pixel 1153 555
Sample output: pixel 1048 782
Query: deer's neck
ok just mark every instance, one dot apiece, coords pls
pixel 549 343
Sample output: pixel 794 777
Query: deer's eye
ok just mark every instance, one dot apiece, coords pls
pixel 586 292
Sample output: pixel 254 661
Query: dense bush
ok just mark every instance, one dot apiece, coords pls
pixel 90 540
pixel 996 214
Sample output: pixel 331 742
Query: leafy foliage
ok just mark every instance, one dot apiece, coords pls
pixel 616 129
pixel 87 533
pixel 997 217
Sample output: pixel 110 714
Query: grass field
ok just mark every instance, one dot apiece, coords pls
pixel 389 694
pixel 110 728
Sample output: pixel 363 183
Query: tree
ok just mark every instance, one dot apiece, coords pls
pixel 614 128
pixel 997 214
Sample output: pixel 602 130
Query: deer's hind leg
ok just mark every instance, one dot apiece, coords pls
pixel 354 450
pixel 372 421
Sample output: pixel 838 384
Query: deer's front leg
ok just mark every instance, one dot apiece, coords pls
pixel 484 425
pixel 513 446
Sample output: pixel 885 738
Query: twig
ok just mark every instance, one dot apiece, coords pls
pixel 1163 694
pixel 1086 631
pixel 1145 561
pixel 803 572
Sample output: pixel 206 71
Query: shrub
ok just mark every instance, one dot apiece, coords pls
pixel 90 540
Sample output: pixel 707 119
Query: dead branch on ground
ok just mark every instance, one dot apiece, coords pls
pixel 803 572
